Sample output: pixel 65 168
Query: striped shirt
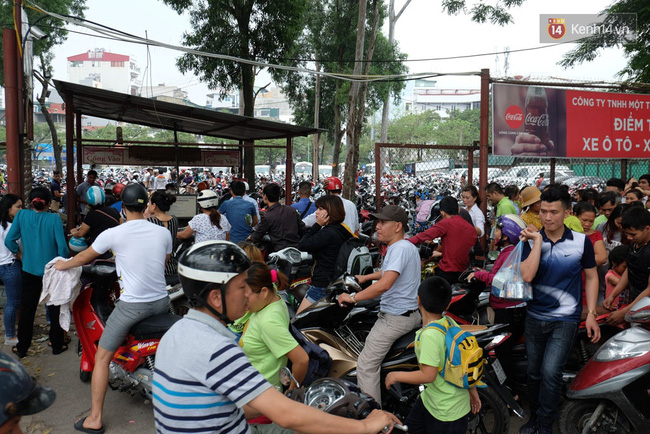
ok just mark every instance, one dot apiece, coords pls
pixel 202 379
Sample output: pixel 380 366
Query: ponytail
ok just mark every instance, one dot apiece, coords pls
pixel 215 217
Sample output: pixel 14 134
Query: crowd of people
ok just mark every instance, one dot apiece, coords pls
pixel 584 255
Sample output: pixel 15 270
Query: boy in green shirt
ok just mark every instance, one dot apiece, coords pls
pixel 442 407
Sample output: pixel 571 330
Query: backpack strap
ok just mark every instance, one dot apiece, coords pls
pixel 302 216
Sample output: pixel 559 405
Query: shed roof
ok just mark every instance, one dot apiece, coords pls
pixel 160 114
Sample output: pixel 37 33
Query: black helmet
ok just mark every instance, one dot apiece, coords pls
pixel 210 265
pixel 135 195
pixel 20 393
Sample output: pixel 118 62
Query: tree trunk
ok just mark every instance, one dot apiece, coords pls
pixel 248 108
pixel 338 138
pixel 356 101
pixel 314 172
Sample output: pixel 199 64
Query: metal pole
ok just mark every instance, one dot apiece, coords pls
pixel 71 205
pixel 80 172
pixel 484 137
pixel 377 176
pixel 287 173
pixel 470 167
pixel 552 174
pixel 624 169
pixel 178 170
pixel 9 44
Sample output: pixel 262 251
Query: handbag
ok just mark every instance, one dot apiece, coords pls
pixel 508 283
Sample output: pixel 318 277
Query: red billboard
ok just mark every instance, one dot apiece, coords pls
pixel 539 121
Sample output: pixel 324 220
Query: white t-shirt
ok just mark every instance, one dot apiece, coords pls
pixel 351 216
pixel 140 248
pixel 478 219
pixel 204 230
pixel 6 257
pixel 402 257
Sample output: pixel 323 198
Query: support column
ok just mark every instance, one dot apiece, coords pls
pixel 9 44
pixel 484 136
pixel 377 176
pixel 80 170
pixel 287 173
pixel 71 205
pixel 624 169
pixel 552 174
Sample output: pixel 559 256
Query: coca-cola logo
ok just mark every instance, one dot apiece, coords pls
pixel 539 121
pixel 514 117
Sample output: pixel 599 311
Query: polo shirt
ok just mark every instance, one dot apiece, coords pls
pixel 302 205
pixel 505 206
pixel 236 211
pixel 557 286
pixel 458 238
pixel 203 388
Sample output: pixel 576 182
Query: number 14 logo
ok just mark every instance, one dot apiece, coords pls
pixel 556 28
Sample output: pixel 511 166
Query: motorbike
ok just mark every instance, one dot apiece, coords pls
pixel 342 332
pixel 611 392
pixel 296 265
pixel 131 369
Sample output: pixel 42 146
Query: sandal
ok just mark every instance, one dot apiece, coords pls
pixel 66 341
pixel 63 348
pixel 18 353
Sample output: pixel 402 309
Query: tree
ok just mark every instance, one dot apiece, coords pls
pixel 56 35
pixel 636 51
pixel 414 128
pixel 249 29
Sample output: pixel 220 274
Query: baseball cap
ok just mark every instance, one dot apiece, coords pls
pixel 392 213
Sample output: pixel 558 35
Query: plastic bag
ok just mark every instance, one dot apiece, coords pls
pixel 508 283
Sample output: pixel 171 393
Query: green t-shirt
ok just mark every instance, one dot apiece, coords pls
pixel 600 219
pixel 266 340
pixel 505 206
pixel 443 400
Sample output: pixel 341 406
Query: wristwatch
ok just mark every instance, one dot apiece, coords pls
pixel 352 297
pixel 592 312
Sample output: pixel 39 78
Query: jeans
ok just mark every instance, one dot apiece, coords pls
pixel 10 275
pixel 32 288
pixel 548 345
pixel 315 293
pixel 420 421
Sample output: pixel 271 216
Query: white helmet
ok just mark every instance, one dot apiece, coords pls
pixel 208 199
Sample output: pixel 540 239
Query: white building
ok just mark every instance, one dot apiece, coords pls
pixel 105 70
pixel 423 95
pixel 229 102
pixel 173 94
pixel 270 104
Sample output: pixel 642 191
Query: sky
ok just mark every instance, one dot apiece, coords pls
pixel 423 32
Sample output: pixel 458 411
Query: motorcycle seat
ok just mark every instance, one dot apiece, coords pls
pixel 154 327
pixel 99 272
pixel 369 304
pixel 400 344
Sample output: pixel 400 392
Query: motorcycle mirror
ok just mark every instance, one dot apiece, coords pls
pixel 286 377
pixel 492 255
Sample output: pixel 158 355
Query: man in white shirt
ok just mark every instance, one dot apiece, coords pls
pixel 142 282
pixel 334 186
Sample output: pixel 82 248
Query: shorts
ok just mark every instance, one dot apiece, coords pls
pixel 315 293
pixel 125 316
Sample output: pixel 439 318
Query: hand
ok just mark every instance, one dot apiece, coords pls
pixel 470 277
pixel 378 420
pixel 593 329
pixel 617 317
pixel 60 265
pixel 360 278
pixel 530 144
pixel 474 400
pixel 437 254
pixel 345 299
pixel 391 379
pixel 529 234
pixel 608 302
pixel 322 217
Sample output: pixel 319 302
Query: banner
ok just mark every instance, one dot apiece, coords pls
pixel 538 121
pixel 152 156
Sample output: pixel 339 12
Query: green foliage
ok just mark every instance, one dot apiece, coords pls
pixel 414 128
pixel 53 27
pixel 481 12
pixel 636 70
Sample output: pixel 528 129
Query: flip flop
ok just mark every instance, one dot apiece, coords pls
pixel 18 353
pixel 63 348
pixel 79 426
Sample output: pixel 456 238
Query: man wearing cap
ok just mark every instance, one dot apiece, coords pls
pixel 457 239
pixel 397 283
pixel 530 197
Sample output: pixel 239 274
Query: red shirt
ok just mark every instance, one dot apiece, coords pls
pixel 455 251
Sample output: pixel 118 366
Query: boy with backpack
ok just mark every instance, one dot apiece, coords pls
pixel 443 407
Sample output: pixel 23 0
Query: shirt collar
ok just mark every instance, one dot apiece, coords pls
pixel 567 235
pixel 210 321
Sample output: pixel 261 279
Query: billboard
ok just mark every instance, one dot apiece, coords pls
pixel 152 156
pixel 552 122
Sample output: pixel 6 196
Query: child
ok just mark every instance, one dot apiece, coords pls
pixel 442 407
pixel 617 268
pixel 586 213
pixel 636 223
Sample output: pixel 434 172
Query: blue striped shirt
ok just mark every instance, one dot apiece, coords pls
pixel 202 379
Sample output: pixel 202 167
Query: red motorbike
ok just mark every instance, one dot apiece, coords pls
pixel 131 369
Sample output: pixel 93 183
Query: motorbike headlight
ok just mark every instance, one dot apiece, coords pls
pixel 634 342
pixel 322 394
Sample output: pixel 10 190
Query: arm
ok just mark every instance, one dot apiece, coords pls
pixel 13 235
pixel 432 233
pixel 531 264
pixel 314 240
pixel 374 290
pixel 299 417
pixel 613 280
pixel 620 286
pixel 619 316
pixel 591 291
pixel 368 277
pixel 261 230
pixel 299 364
pixel 185 233
pixel 601 252
pixel 426 374
pixel 255 220
pixel 81 259
pixel 81 231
